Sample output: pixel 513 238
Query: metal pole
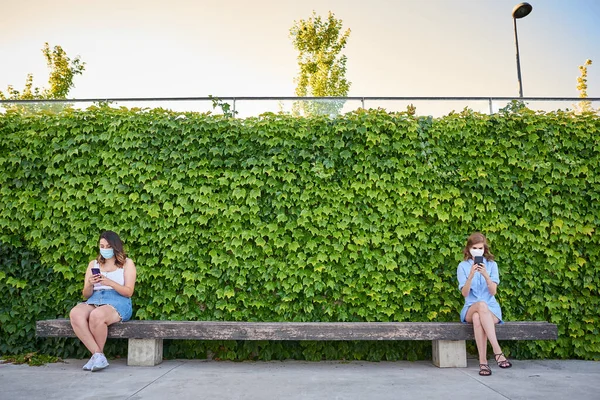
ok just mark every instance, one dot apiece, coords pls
pixel 518 61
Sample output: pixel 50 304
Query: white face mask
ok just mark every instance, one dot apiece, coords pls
pixel 476 252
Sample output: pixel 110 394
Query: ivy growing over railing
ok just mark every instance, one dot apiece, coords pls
pixel 278 218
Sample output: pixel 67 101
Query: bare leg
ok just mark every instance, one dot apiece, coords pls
pixel 79 321
pixel 488 322
pixel 480 338
pixel 100 319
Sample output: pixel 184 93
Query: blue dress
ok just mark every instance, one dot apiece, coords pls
pixel 479 290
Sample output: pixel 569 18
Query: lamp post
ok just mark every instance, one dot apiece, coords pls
pixel 520 11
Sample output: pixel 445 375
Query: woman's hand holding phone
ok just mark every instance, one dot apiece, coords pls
pixel 474 268
pixel 478 266
pixel 96 276
pixel 478 263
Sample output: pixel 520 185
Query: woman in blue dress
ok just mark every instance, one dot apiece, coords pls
pixel 478 284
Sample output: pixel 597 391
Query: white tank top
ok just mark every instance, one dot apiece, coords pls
pixel 117 275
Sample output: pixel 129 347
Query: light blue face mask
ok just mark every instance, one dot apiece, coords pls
pixel 107 253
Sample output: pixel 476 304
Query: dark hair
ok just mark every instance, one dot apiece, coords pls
pixel 475 238
pixel 117 245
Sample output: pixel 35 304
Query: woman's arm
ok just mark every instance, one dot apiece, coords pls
pixel 492 287
pixel 127 288
pixel 467 279
pixel 491 279
pixel 88 284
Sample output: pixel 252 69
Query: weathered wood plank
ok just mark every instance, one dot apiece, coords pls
pixel 221 330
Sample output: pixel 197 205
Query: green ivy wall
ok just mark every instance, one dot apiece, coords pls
pixel 278 218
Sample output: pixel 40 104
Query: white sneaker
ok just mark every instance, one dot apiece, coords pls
pixel 88 365
pixel 99 363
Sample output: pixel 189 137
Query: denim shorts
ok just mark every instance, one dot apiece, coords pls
pixel 110 297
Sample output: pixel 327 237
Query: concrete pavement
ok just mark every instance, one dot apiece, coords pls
pixel 290 380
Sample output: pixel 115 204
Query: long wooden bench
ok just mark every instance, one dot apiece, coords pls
pixel 448 338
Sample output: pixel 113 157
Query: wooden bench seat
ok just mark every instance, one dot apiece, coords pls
pixel 448 338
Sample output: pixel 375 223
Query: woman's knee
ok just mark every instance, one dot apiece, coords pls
pixel 78 314
pixel 97 318
pixel 482 307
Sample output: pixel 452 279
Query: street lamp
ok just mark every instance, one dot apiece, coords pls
pixel 520 11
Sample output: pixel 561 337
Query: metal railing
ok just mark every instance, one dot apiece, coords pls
pixel 246 106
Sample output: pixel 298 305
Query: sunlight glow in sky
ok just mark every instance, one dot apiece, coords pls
pixel 170 48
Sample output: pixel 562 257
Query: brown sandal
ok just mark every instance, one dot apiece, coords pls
pixel 484 370
pixel 504 363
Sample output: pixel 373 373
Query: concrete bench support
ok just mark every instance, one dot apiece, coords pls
pixel 144 352
pixel 449 353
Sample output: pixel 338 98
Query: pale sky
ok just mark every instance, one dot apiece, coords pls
pixel 150 48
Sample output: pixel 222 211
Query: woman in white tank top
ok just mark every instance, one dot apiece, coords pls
pixel 108 287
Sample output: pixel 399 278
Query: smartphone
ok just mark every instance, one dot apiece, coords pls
pixel 95 271
pixel 478 260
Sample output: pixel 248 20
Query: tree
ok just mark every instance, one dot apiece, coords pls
pixel 322 66
pixel 62 72
pixel 584 106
